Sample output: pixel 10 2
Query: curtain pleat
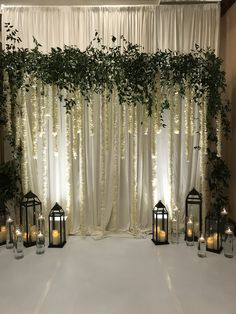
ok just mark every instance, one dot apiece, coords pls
pixel 111 181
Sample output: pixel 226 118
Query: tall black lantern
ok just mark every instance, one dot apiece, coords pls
pixel 3 218
pixel 160 224
pixel 57 227
pixel 30 207
pixel 193 208
pixel 213 234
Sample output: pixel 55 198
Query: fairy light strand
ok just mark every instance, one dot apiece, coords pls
pixel 218 135
pixel 34 116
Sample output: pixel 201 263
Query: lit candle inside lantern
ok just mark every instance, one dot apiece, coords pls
pixel 25 236
pixel 55 237
pixel 162 236
pixel 3 233
pixel 33 233
pixel 210 243
pixel 215 238
pixel 189 233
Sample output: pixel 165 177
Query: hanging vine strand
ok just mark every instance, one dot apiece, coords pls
pixel 139 78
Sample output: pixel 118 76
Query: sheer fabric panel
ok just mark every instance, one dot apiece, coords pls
pixel 118 188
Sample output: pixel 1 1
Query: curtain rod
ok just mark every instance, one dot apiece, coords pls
pixel 181 2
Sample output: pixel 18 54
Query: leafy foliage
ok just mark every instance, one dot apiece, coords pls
pixel 132 72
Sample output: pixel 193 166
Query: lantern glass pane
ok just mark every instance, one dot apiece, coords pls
pixel 213 236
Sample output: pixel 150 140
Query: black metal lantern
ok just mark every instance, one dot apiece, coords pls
pixel 30 207
pixel 193 209
pixel 160 224
pixel 57 227
pixel 3 218
pixel 213 234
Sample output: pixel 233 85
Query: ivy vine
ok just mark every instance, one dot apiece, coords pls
pixel 132 72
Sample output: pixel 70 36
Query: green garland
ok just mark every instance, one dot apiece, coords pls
pixel 132 72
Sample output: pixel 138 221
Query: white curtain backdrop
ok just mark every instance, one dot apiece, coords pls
pixel 111 187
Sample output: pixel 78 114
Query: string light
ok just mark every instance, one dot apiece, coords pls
pixel 43 133
pixel 123 122
pixel 177 101
pixel 7 95
pixel 91 116
pixel 18 110
pixel 130 118
pixel 171 148
pixel 115 170
pixel 81 166
pixel 34 116
pixel 218 135
pixel 68 164
pixel 24 164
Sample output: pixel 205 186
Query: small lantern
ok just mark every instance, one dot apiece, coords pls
pixel 57 227
pixel 160 224
pixel 30 207
pixel 213 235
pixel 3 218
pixel 193 207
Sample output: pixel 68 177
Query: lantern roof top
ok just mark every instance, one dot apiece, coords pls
pixel 57 210
pixel 30 199
pixel 30 194
pixel 194 192
pixel 160 205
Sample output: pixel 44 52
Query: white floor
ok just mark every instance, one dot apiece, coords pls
pixel 117 275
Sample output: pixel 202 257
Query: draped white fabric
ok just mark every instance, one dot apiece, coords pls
pixel 116 178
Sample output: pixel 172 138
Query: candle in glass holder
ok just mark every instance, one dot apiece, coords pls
pixel 55 237
pixel 9 233
pixel 210 243
pixel 189 233
pixel 18 244
pixel 162 236
pixel 215 239
pixel 40 243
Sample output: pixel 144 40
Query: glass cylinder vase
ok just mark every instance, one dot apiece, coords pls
pixel 175 227
pixel 41 224
pixel 40 243
pixel 201 246
pixel 189 231
pixel 229 242
pixel 18 244
pixel 9 233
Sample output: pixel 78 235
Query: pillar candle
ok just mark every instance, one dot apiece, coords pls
pixel 55 237
pixel 162 236
pixel 210 243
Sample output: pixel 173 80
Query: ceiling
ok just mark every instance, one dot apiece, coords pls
pixel 225 5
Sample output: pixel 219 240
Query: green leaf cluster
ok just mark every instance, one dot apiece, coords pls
pixel 132 72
